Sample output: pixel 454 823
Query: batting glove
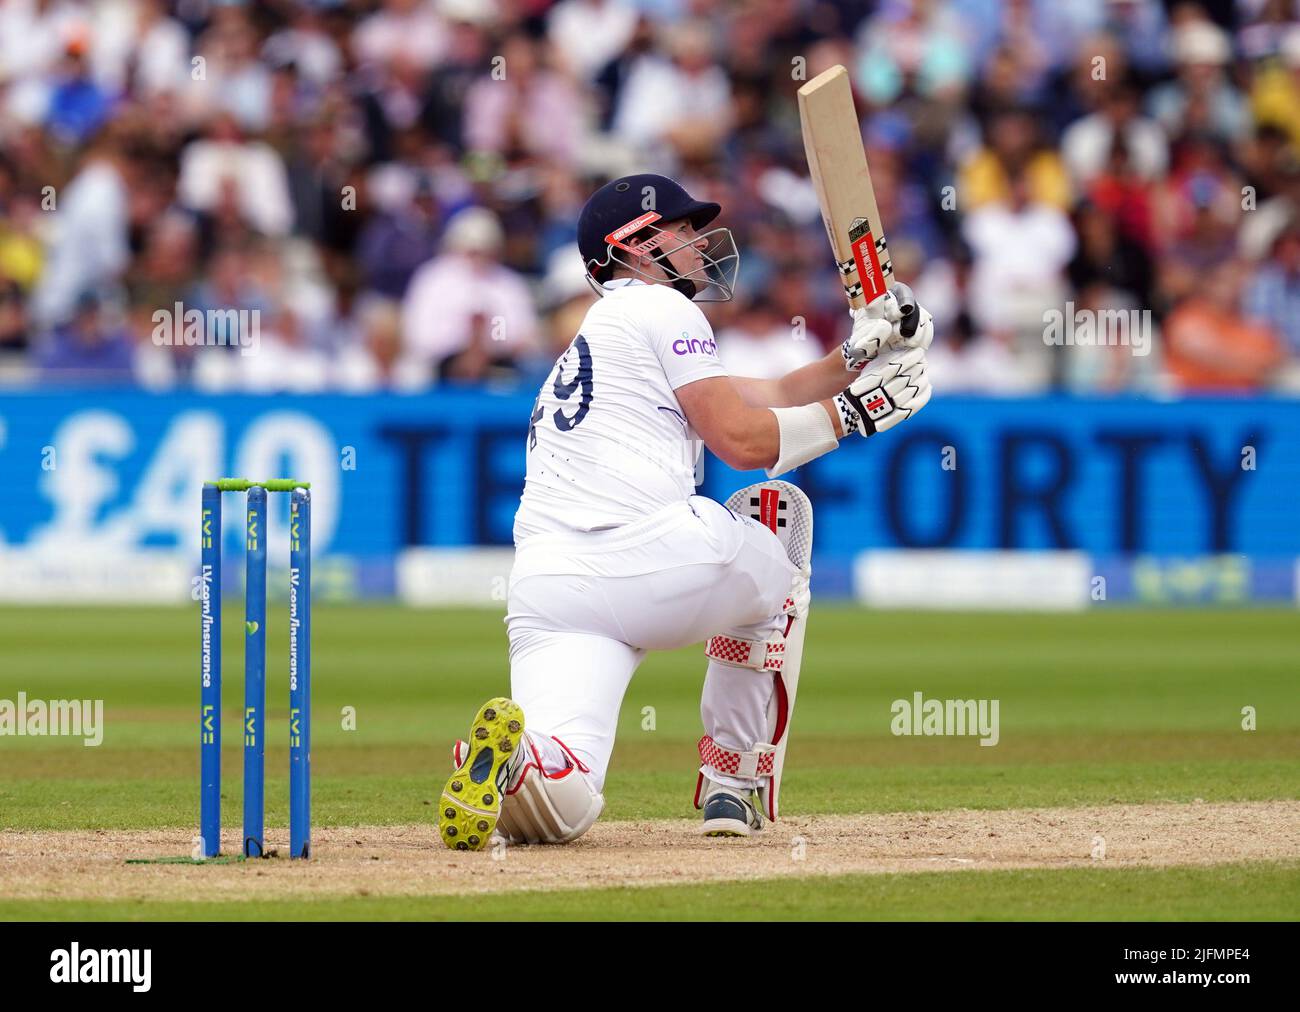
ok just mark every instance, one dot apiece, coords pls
pixel 915 326
pixel 873 325
pixel 892 320
pixel 892 391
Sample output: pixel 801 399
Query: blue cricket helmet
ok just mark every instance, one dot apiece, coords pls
pixel 622 202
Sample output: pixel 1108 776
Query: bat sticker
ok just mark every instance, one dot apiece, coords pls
pixel 865 254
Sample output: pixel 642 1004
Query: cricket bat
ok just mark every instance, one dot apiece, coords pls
pixel 837 163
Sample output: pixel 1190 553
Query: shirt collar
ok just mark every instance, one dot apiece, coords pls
pixel 621 283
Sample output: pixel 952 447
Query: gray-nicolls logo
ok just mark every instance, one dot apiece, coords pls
pixel 75 965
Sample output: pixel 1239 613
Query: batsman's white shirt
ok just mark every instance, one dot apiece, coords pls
pixel 609 443
pixel 615 554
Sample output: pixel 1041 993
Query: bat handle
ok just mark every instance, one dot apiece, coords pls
pixel 907 305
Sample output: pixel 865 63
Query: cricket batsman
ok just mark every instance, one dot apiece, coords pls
pixel 615 553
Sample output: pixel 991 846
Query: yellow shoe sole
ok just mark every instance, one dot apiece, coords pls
pixel 471 805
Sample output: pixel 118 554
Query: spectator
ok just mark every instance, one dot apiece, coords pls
pixel 965 362
pixel 1197 209
pixel 375 362
pixel 450 80
pixel 78 106
pixel 392 100
pixel 1141 26
pixel 90 247
pixel 1124 354
pixel 1082 89
pixel 305 45
pixel 481 359
pixel 566 297
pixel 1088 144
pixel 1011 79
pixel 683 101
pixel 319 172
pixel 1266 34
pixel 304 157
pixel 465 295
pixel 528 111
pixel 161 56
pixel 793 299
pixel 760 343
pixel 1013 150
pixel 618 70
pixel 1020 249
pixel 15 334
pixel 230 78
pixel 1107 257
pixel 914 42
pixel 1275 98
pixel 33 38
pixel 397 241
pixel 1273 296
pixel 227 167
pixel 590 33
pixel 411 32
pixel 89 348
pixel 167 267
pixel 21 253
pixel 1202 98
pixel 1274 196
pixel 1119 192
pixel 1211 347
pixel 231 284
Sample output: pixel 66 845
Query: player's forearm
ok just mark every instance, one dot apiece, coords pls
pixel 755 438
pixel 746 436
pixel 817 381
pixel 751 440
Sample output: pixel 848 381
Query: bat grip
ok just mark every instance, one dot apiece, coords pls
pixel 907 305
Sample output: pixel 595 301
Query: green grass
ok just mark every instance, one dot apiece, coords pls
pixel 1258 891
pixel 1104 706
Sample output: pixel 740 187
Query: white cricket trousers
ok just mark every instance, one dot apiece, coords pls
pixel 584 609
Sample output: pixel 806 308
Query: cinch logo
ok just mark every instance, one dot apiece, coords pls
pixel 693 345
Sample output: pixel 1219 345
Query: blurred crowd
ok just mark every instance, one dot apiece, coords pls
pixel 382 194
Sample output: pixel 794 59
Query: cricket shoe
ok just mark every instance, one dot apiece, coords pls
pixel 729 811
pixel 471 801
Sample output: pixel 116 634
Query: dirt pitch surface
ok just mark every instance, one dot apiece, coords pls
pixel 408 860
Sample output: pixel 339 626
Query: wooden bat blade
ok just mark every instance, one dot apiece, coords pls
pixel 837 164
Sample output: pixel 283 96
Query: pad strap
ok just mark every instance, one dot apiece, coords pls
pixel 757 763
pixel 761 655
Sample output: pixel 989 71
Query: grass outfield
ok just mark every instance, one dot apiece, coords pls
pixel 1104 706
